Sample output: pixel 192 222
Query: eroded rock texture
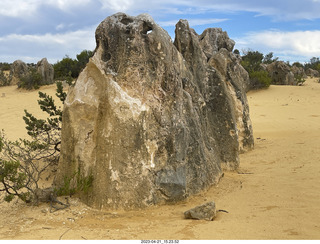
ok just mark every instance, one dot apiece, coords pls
pixel 154 121
pixel 281 73
pixel 46 71
pixel 312 73
pixel 19 69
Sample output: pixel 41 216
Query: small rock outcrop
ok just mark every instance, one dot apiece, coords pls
pixel 206 211
pixel 46 71
pixel 151 121
pixel 312 73
pixel 281 73
pixel 298 71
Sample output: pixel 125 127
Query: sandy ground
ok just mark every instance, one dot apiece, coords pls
pixel 274 195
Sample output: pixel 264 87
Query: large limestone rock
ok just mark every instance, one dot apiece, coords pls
pixel 281 73
pixel 151 121
pixel 19 69
pixel 45 69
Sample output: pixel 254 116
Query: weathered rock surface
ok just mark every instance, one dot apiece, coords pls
pixel 206 211
pixel 19 69
pixel 281 73
pixel 214 39
pixel 312 72
pixel 46 71
pixel 298 71
pixel 154 121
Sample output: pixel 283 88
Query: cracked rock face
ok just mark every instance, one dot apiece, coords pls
pixel 154 121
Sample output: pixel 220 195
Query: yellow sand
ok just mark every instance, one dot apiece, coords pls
pixel 14 101
pixel 274 195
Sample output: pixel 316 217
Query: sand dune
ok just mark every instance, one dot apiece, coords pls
pixel 274 195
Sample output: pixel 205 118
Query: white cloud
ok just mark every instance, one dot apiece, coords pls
pixel 60 26
pixel 117 5
pixel 66 4
pixel 305 43
pixel 53 46
pixel 192 22
pixel 301 45
pixel 18 8
pixel 27 8
pixel 278 9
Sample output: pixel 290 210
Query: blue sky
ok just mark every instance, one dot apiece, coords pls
pixel 33 29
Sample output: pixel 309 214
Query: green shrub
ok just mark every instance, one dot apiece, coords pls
pixel 32 80
pixel 4 80
pixel 251 60
pixel 74 184
pixel 65 68
pixel 268 58
pixel 70 68
pixel 5 66
pixel 260 79
pixel 23 162
pixel 13 180
pixel 299 79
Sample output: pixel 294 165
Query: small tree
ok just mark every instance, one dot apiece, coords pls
pixel 236 51
pixel 268 58
pixel 83 59
pixel 65 68
pixel 252 61
pixel 70 68
pixel 297 64
pixel 23 162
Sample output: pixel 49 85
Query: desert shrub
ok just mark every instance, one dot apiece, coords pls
pixel 252 61
pixel 75 183
pixel 23 162
pixel 5 80
pixel 260 79
pixel 70 68
pixel 5 66
pixel 65 68
pixel 298 64
pixel 299 79
pixel 314 64
pixel 31 80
